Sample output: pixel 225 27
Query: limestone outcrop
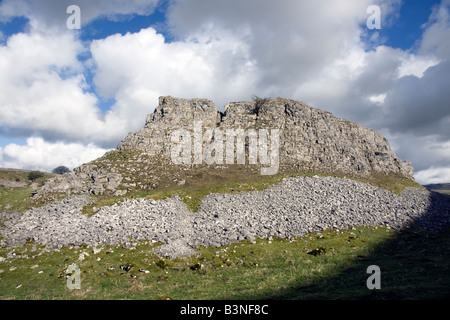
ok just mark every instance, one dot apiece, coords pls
pixel 309 139
pixel 84 179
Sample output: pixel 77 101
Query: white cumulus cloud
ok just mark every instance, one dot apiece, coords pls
pixel 38 154
pixel 433 175
pixel 43 84
pixel 137 68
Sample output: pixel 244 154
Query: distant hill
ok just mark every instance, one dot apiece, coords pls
pixel 439 187
pixel 18 178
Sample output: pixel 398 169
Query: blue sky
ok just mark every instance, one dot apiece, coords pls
pixel 103 27
pixel 82 90
pixel 406 29
pixel 13 26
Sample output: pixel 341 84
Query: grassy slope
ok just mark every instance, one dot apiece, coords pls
pixel 440 187
pixel 414 265
pixel 198 181
pixel 194 190
pixel 19 198
pixel 146 176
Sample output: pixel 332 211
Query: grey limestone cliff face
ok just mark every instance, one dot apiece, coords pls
pixel 310 139
pixel 171 114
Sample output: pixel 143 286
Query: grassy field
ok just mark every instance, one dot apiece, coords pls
pixel 332 265
pixel 443 191
pixel 19 198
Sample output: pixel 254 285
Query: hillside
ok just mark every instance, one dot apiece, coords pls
pixel 16 187
pixel 439 187
pixel 303 195
pixel 189 143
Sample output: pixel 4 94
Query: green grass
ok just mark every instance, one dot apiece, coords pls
pixel 234 182
pixel 15 199
pixel 192 192
pixel 442 191
pixel 414 265
pixel 394 182
pixel 23 176
pixel 19 198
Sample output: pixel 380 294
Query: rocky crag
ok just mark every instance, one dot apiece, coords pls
pixel 309 140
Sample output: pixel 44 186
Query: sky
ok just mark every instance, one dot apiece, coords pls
pixel 68 95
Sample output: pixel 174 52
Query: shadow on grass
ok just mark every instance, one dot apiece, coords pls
pixel 414 264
